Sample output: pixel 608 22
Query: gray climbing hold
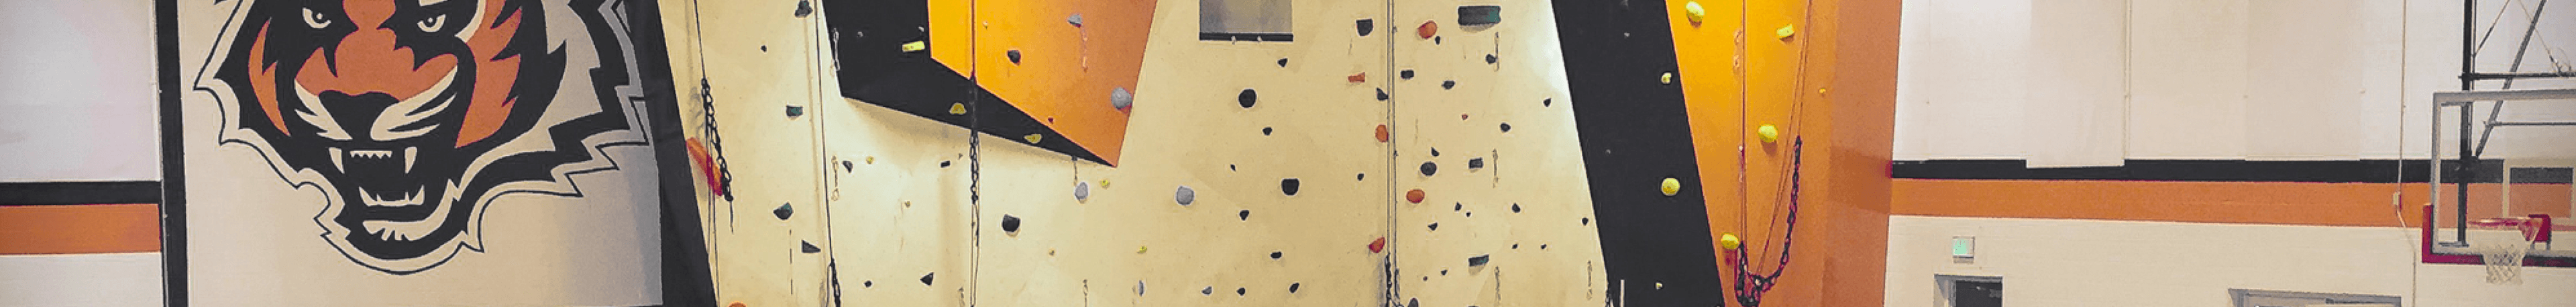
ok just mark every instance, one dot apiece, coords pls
pixel 804 8
pixel 1119 98
pixel 1479 15
pixel 1381 94
pixel 1140 288
pixel 784 211
pixel 809 247
pixel 1010 224
pixel 1076 20
pixel 1081 191
pixel 1185 196
pixel 1428 168
pixel 794 111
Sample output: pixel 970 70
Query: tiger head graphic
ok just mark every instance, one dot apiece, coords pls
pixel 412 116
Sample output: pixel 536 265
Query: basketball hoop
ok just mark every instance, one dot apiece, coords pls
pixel 2504 244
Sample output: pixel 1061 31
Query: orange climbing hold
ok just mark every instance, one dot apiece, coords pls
pixel 1379 246
pixel 1427 29
pixel 735 304
pixel 1359 77
pixel 1382 134
pixel 1414 196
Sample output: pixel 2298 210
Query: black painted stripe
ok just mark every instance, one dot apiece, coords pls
pixel 687 276
pixel 873 68
pixel 1635 133
pixel 173 196
pixel 2354 171
pixel 79 193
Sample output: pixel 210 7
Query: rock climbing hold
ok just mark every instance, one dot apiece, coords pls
pixel 1210 290
pixel 1283 62
pixel 1246 98
pixel 1292 287
pixel 1587 221
pixel 1076 20
pixel 1785 31
pixel 1427 29
pixel 925 278
pixel 1404 74
pixel 1435 226
pixel 1462 116
pixel 1185 196
pixel 1382 134
pixel 795 110
pixel 871 159
pixel 1081 191
pixel 1119 98
pixel 1274 255
pixel 1013 54
pixel 1768 133
pixel 737 304
pixel 1381 94
pixel 1507 127
pixel 1414 196
pixel 1245 215
pixel 1668 78
pixel 1479 260
pixel 784 211
pixel 1448 84
pixel 1457 206
pixel 1034 138
pixel 1288 186
pixel 1010 224
pixel 1729 241
pixel 957 108
pixel 845 166
pixel 1547 102
pixel 1140 287
pixel 1475 164
pixel 1265 130
pixel 867 284
pixel 1140 249
pixel 1694 12
pixel 1435 40
pixel 1471 214
pixel 915 46
pixel 1104 183
pixel 1366 26
pixel 1238 292
pixel 808 247
pixel 1479 15
pixel 1672 186
pixel 1361 177
pixel 943 164
pixel 1516 208
pixel 1377 246
pixel 1490 59
pixel 1429 168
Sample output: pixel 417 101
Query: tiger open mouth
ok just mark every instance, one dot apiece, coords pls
pixel 375 159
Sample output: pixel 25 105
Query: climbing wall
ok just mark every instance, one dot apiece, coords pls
pixel 1109 153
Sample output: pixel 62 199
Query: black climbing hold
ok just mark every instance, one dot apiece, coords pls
pixel 1283 62
pixel 1435 40
pixel 809 247
pixel 1428 168
pixel 1516 246
pixel 1479 15
pixel 1444 272
pixel 867 283
pixel 1516 208
pixel 1381 94
pixel 1475 164
pixel 1288 186
pixel 1243 215
pixel 1490 59
pixel 764 48
pixel 1230 167
pixel 845 166
pixel 1292 287
pixel 1014 55
pixel 1210 290
pixel 1274 255
pixel 1542 246
pixel 1457 206
pixel 784 211
pixel 1587 221
pixel 1547 102
pixel 804 8
pixel 1479 260
pixel 1010 223
pixel 925 278
pixel 1367 26
pixel 1448 84
pixel 794 111
pixel 1246 98
pixel 1238 292
pixel 943 164
pixel 1507 127
pixel 1406 74
pixel 1471 214
pixel 1265 130
pixel 1435 151
pixel 1435 226
pixel 1415 302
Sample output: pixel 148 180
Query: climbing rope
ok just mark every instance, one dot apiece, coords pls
pixel 1748 286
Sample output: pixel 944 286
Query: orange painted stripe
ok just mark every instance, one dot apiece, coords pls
pixel 2283 203
pixel 80 229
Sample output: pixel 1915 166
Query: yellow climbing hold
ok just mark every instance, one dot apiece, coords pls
pixel 1672 186
pixel 1694 12
pixel 1104 183
pixel 872 159
pixel 1729 241
pixel 1769 133
pixel 915 46
pixel 1785 31
pixel 1033 138
pixel 1668 78
pixel 957 108
pixel 1140 249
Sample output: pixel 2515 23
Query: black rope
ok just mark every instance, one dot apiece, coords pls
pixel 1749 287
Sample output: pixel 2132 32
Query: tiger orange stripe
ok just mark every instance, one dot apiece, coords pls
pixel 492 78
pixel 263 81
pixel 80 229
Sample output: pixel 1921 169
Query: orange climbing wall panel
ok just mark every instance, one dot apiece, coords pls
pixel 1844 110
pixel 1065 73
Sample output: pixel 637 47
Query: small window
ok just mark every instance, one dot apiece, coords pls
pixel 1970 291
pixel 2268 298
pixel 1244 20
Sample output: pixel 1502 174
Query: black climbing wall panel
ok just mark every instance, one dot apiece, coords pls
pixel 1635 133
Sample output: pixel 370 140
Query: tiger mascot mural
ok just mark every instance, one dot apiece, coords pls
pixel 411 117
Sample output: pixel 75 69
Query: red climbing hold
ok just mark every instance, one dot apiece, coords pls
pixel 1359 77
pixel 1414 196
pixel 1379 246
pixel 1382 134
pixel 1427 29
